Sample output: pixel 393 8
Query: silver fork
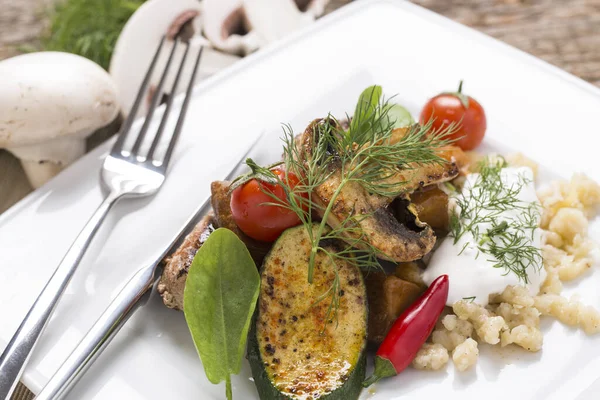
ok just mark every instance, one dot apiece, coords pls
pixel 125 173
pixel 132 296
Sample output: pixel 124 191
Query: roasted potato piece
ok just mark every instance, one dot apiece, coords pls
pixel 388 297
pixel 411 272
pixel 431 206
pixel 457 155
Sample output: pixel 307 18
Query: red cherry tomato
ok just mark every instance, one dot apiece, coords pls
pixel 258 220
pixel 464 111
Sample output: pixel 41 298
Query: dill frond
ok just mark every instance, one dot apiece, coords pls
pixel 89 28
pixel 508 244
pixel 368 154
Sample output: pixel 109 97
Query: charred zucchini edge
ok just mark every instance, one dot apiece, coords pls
pixel 267 390
pixel 350 390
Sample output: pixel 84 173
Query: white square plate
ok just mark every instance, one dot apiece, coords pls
pixel 531 106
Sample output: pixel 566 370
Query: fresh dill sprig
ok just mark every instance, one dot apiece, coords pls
pixel 482 203
pixel 89 28
pixel 370 153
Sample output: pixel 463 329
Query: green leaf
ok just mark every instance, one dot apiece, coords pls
pixel 399 116
pixel 367 101
pixel 218 302
pixel 366 107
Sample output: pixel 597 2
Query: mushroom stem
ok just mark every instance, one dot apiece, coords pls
pixel 40 172
pixel 43 161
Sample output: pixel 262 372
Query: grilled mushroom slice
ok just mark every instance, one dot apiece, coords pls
pixel 172 280
pixel 397 230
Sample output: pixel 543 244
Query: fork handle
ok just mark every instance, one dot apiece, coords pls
pixel 133 295
pixel 20 347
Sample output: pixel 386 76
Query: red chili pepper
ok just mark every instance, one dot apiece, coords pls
pixel 410 331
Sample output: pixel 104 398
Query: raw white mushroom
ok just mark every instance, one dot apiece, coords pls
pixel 226 26
pixel 272 20
pixel 316 8
pixel 139 39
pixel 242 26
pixel 49 103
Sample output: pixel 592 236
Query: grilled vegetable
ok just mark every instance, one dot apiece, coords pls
pixel 388 297
pixel 172 281
pixel 395 230
pixel 410 331
pixel 431 207
pixel 411 272
pixel 296 350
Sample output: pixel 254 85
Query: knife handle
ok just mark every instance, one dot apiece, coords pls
pixel 133 295
pixel 130 298
pixel 16 354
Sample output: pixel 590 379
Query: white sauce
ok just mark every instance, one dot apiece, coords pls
pixel 473 275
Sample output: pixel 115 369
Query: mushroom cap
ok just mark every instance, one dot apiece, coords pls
pixel 242 26
pixel 289 18
pixel 51 95
pixel 225 25
pixel 138 41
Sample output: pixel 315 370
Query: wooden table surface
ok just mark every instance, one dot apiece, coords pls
pixel 565 33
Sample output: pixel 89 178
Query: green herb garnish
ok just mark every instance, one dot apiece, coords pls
pixel 220 296
pixel 399 116
pixel 89 28
pixel 482 203
pixel 366 154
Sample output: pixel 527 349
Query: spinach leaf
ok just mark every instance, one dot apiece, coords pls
pixel 218 302
pixel 364 114
pixel 367 102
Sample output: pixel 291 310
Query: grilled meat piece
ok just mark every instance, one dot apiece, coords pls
pixel 404 238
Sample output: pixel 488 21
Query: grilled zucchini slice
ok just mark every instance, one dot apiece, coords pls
pixel 293 352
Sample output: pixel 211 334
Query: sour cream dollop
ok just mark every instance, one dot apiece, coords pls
pixel 471 273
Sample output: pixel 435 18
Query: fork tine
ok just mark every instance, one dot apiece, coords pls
pixel 126 127
pixel 167 111
pixel 181 118
pixel 154 103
